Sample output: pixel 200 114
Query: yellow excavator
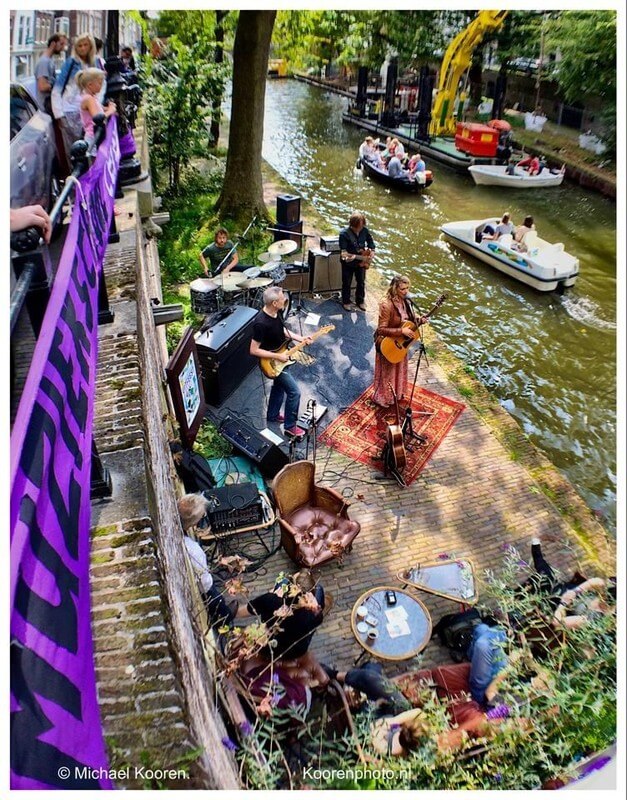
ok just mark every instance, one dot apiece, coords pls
pixel 456 61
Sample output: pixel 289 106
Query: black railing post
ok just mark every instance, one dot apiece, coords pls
pixel 100 482
pixel 32 288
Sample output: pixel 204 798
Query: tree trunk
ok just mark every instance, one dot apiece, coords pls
pixel 242 193
pixel 216 108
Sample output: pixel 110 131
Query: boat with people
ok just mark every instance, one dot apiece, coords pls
pixel 544 266
pixel 417 183
pixel 515 177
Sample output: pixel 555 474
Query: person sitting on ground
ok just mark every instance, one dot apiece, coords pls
pixel 593 592
pixel 294 609
pixel 521 233
pixel 192 510
pixel 218 254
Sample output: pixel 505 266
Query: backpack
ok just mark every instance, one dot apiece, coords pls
pixel 456 630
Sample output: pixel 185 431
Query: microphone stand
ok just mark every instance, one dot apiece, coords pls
pixel 407 427
pixel 224 261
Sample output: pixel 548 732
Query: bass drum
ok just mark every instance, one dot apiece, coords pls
pixel 256 301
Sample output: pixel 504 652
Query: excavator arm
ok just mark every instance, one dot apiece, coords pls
pixel 456 61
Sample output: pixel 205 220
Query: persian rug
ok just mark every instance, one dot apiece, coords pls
pixel 359 432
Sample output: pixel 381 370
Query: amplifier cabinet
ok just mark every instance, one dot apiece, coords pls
pixel 248 441
pixel 325 269
pixel 290 230
pixel 296 277
pixel 330 243
pixel 287 208
pixel 223 353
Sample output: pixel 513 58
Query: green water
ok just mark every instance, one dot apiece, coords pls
pixel 550 360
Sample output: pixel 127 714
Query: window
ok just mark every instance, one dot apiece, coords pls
pixel 62 25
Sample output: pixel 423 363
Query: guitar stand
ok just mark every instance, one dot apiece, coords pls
pixel 388 467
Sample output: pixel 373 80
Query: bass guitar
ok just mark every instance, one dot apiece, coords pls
pixel 395 349
pixel 272 367
pixel 395 455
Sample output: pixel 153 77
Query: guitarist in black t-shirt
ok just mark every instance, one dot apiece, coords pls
pixel 269 334
pixel 357 251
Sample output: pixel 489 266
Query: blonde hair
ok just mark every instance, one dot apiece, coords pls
pixel 192 508
pixel 88 75
pixel 396 281
pixel 91 56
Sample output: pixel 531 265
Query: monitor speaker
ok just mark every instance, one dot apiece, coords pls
pixel 267 456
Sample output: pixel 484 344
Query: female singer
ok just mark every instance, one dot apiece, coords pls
pixel 394 314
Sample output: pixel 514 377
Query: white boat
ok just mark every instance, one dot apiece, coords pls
pixel 495 175
pixel 546 267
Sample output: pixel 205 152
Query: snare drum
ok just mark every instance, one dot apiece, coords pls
pixel 206 296
pixel 275 271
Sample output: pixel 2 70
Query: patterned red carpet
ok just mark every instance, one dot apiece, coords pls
pixel 359 432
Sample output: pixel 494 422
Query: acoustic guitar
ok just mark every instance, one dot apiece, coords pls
pixel 365 257
pixel 272 367
pixel 396 457
pixel 395 349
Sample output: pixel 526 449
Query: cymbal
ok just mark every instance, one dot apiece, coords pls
pixel 264 257
pixel 228 280
pixel 283 247
pixel 269 267
pixel 255 283
pixel 203 285
pixel 252 272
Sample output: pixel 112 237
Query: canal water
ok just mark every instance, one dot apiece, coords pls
pixel 550 360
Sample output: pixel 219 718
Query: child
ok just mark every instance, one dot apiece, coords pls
pixel 90 81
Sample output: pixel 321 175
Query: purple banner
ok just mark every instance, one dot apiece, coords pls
pixel 56 735
pixel 127 144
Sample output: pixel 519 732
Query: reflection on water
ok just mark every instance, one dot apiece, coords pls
pixel 551 361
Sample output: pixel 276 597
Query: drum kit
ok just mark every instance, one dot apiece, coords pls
pixel 212 294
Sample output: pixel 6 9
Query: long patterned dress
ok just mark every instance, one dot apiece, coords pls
pixel 391 312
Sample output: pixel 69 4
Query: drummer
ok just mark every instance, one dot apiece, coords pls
pixel 217 252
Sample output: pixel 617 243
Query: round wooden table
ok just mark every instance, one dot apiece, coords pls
pixel 404 629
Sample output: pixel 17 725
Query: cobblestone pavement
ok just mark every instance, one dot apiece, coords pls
pixel 471 499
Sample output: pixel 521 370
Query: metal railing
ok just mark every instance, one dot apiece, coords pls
pixel 35 276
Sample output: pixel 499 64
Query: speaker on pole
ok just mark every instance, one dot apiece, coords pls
pixel 287 209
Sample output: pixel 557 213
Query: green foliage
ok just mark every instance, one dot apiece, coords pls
pixel 587 43
pixel 179 91
pixel 567 712
pixel 209 443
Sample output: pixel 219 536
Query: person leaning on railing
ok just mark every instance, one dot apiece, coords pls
pixel 31 216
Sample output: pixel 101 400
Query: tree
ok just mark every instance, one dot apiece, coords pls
pixel 180 87
pixel 242 193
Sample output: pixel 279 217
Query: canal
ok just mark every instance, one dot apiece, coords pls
pixel 550 360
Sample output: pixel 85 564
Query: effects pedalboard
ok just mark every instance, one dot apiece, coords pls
pixel 305 419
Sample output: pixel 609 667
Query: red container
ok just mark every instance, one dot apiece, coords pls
pixel 476 139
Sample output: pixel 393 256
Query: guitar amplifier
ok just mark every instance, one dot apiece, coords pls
pixel 237 505
pixel 325 269
pixel 296 277
pixel 223 352
pixel 244 438
pixel 330 244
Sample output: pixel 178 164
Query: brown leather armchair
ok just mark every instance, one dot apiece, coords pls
pixel 315 527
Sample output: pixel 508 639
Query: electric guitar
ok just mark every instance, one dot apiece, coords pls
pixel 272 367
pixel 395 446
pixel 395 349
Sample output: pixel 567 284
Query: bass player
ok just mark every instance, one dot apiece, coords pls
pixel 395 314
pixel 269 334
pixel 357 251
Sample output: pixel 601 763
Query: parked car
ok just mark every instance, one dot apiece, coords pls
pixel 34 163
